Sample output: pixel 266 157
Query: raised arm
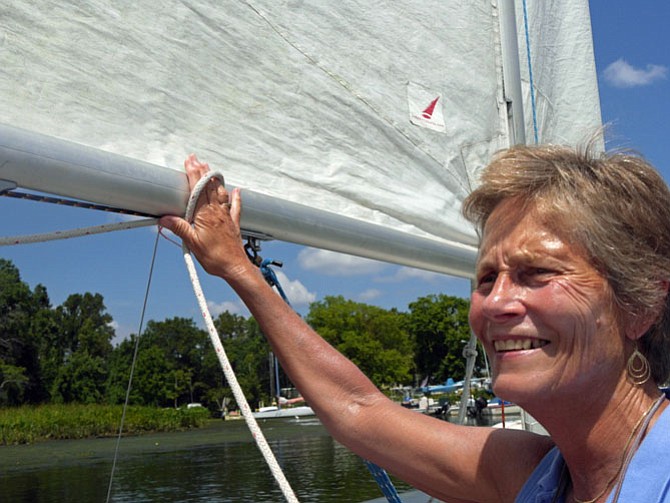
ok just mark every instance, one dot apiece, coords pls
pixel 451 462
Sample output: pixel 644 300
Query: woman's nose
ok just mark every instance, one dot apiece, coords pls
pixel 504 299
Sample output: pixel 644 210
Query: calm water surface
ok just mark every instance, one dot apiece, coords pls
pixel 217 464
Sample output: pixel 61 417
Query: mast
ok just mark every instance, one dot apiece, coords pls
pixel 513 97
pixel 511 73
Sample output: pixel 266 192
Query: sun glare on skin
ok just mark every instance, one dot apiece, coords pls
pixel 540 311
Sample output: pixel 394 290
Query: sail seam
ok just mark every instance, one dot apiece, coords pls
pixel 342 82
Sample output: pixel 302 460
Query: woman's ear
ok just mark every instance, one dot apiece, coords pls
pixel 639 325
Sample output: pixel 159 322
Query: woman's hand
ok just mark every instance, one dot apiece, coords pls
pixel 214 237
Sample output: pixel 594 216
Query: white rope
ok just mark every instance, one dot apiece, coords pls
pixel 228 372
pixel 75 233
pixel 241 400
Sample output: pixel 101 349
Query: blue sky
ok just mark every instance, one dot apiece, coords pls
pixel 631 46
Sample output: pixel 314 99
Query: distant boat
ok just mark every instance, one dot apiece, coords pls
pixel 274 412
pixel 481 407
pixel 497 406
pixel 449 386
pixel 369 152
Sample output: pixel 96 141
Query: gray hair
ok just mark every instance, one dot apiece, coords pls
pixel 615 206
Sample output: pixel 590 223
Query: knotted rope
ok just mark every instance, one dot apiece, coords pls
pixel 241 400
pixel 231 378
pixel 379 474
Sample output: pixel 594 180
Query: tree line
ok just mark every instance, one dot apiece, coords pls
pixel 64 354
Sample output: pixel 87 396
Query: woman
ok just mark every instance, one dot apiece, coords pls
pixel 570 305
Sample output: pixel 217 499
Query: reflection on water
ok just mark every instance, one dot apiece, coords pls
pixel 219 463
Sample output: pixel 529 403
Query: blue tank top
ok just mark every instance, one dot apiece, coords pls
pixel 647 479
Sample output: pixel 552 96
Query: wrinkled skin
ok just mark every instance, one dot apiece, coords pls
pixel 533 288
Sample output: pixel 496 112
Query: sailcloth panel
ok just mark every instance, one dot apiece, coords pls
pixel 564 73
pixel 379 110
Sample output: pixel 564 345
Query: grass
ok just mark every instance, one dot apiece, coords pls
pixel 26 425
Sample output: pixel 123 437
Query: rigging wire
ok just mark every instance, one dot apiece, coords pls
pixel 40 198
pixel 241 400
pixel 132 368
pixel 73 233
pixel 530 73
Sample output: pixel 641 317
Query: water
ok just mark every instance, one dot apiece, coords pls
pixel 219 463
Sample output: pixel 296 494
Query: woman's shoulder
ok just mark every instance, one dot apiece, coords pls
pixel 545 479
pixel 648 475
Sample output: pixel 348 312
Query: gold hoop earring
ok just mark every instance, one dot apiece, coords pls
pixel 638 368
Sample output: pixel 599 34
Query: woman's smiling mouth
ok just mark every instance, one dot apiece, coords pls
pixel 518 344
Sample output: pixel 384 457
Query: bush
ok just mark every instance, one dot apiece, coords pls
pixel 25 425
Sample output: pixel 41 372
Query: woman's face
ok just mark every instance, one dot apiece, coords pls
pixel 542 312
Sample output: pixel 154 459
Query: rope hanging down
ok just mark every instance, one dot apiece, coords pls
pixel 379 474
pixel 241 400
pixel 214 336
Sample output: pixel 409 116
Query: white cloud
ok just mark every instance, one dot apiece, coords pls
pixel 233 307
pixel 413 274
pixel 337 264
pixel 622 74
pixel 369 294
pixel 296 293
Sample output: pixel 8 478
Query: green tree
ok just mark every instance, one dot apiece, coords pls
pixel 439 326
pixel 374 338
pixel 18 344
pixel 248 352
pixel 153 382
pixel 183 347
pixel 118 375
pixel 82 379
pixel 81 349
pixel 230 327
pixel 13 381
pixel 85 324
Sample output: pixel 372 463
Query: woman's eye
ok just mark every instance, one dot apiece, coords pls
pixel 538 272
pixel 486 279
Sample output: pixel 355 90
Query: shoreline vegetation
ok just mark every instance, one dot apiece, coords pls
pixel 33 424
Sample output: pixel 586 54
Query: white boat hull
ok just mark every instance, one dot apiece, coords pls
pixel 276 413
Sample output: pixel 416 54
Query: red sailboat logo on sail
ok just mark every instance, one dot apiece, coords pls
pixel 428 112
pixel 425 108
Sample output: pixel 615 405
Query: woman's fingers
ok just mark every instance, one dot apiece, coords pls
pixel 178 226
pixel 236 207
pixel 214 191
pixel 194 169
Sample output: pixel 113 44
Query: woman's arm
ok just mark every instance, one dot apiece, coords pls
pixel 452 462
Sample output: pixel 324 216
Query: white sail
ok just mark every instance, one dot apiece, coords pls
pixel 355 126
